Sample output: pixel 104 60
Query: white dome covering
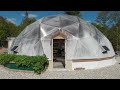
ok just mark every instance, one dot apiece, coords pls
pixel 83 40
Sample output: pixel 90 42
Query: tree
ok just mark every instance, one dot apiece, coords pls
pixel 3 30
pixel 76 13
pixel 108 22
pixel 108 18
pixel 115 28
pixel 6 30
pixel 98 26
pixel 2 37
pixel 114 17
pixel 26 21
pixel 103 18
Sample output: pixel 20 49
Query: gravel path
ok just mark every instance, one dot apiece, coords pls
pixel 111 72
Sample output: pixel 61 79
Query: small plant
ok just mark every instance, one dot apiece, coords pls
pixel 38 63
pixel 6 58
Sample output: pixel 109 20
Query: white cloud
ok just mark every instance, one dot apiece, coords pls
pixel 12 20
pixel 30 15
pixel 89 21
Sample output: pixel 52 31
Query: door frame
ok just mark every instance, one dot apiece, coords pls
pixel 64 50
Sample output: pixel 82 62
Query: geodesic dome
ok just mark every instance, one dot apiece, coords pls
pixel 82 39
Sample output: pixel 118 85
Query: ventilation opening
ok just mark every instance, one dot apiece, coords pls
pixel 14 48
pixel 106 49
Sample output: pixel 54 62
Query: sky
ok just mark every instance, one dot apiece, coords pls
pixel 17 16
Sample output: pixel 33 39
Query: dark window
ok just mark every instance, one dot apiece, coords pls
pixel 15 52
pixel 106 48
pixel 14 48
pixel 104 52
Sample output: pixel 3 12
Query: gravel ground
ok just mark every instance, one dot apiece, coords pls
pixel 111 72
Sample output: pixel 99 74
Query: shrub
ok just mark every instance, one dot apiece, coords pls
pixel 38 63
pixel 6 58
pixel 22 60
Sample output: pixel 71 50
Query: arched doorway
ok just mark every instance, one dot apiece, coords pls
pixel 59 50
